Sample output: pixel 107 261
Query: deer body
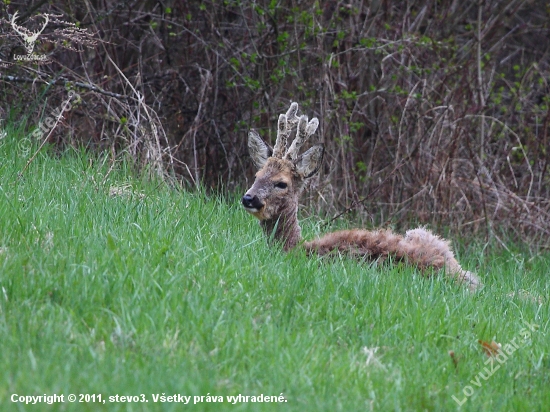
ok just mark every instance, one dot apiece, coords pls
pixel 273 200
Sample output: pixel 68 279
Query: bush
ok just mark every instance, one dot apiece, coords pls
pixel 435 112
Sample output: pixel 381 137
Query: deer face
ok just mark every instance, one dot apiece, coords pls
pixel 276 189
pixel 281 176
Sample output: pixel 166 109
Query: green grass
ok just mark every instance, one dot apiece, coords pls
pixel 159 291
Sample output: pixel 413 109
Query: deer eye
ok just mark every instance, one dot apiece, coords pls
pixel 281 185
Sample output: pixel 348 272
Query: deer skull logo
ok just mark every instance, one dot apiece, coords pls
pixel 28 36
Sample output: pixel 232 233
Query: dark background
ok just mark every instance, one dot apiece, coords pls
pixel 432 112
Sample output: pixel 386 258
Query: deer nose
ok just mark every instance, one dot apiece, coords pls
pixel 250 202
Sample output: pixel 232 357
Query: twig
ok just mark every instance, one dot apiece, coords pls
pixel 480 81
pixel 354 205
pixel 520 146
pixel 65 82
pixel 59 116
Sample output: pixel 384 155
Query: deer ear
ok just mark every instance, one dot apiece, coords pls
pixel 309 163
pixel 258 149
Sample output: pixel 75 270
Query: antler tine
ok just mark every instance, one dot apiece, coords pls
pixel 286 123
pixel 282 136
pixel 20 30
pixel 291 115
pixel 46 21
pixel 305 129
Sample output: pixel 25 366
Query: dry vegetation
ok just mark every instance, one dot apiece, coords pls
pixel 433 111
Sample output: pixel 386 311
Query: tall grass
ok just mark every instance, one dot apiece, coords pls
pixel 112 284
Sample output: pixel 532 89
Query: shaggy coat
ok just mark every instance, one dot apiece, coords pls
pixel 273 200
pixel 418 247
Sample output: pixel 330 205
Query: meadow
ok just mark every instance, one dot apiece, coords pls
pixel 113 285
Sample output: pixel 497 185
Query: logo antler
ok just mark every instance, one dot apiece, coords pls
pixel 28 36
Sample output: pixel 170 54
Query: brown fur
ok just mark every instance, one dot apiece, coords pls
pixel 418 247
pixel 279 217
pixel 358 242
pixel 277 209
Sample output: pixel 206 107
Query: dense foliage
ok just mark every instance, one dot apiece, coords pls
pixel 435 111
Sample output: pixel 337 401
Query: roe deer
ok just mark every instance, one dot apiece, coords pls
pixel 273 200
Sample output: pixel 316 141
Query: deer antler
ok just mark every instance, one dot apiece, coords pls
pixel 305 130
pixel 287 122
pixel 28 36
pixel 25 32
pixel 46 20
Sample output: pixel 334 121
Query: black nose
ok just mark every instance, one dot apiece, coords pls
pixel 252 202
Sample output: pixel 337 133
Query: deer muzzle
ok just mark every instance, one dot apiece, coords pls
pixel 251 203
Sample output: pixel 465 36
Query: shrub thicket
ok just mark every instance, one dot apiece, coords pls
pixel 435 111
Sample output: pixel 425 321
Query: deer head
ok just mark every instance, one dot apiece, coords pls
pixel 282 172
pixel 28 36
